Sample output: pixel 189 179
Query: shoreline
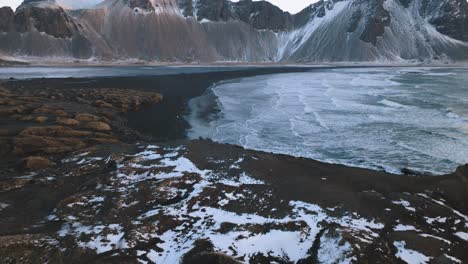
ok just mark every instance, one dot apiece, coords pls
pixel 40 62
pixel 84 202
pixel 147 123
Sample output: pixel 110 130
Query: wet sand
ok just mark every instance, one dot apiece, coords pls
pixel 161 121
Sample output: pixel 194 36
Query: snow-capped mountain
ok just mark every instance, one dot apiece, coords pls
pixel 244 31
pixel 368 30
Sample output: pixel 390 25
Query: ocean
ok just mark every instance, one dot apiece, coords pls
pixel 380 118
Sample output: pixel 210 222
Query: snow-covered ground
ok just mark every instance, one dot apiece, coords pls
pixel 159 204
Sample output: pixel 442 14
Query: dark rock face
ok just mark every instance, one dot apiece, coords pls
pixel 52 21
pixel 186 30
pixel 376 19
pixel 42 28
pixel 6 19
pixel 143 4
pixel 81 47
pixel 405 3
pixel 214 10
pixel 315 10
pixel 260 15
pixel 450 17
pixel 263 15
pixel 354 20
pixel 186 6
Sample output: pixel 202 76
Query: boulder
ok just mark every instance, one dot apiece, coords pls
pixel 97 126
pixel 67 121
pixel 86 118
pixel 31 145
pixel 50 111
pixel 101 103
pixel 41 119
pixel 54 131
pixel 203 252
pixel 12 184
pixel 12 110
pixel 35 163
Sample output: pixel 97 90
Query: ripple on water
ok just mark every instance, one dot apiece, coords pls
pixel 386 118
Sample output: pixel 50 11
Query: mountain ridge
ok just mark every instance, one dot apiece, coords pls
pixel 244 31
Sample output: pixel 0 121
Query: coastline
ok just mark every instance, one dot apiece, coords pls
pixel 156 129
pixel 9 61
pixel 147 123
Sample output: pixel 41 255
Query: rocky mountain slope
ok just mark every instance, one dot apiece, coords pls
pixel 245 31
pixel 363 30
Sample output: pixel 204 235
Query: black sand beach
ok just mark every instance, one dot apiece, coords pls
pixel 63 139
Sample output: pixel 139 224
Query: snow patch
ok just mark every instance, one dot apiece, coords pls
pixel 409 256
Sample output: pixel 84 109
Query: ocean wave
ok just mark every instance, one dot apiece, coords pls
pixel 316 116
pixel 392 104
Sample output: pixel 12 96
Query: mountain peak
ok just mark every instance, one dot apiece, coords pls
pixel 221 30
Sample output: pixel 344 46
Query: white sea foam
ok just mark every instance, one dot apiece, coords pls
pixel 381 118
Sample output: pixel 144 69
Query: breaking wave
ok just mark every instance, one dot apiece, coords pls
pixel 385 119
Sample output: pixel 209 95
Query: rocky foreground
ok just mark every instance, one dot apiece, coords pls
pixel 72 190
pixel 171 203
pixel 37 123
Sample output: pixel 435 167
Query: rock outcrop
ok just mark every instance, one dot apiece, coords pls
pixel 50 122
pixel 263 15
pixel 36 163
pixel 172 204
pixel 7 19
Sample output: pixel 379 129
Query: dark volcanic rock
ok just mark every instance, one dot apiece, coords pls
pixel 186 6
pixel 53 21
pixel 192 206
pixel 143 4
pixel 312 11
pixel 7 17
pixel 214 10
pixel 63 129
pixel 304 17
pixel 450 17
pixel 81 47
pixel 354 21
pixel 42 28
pixel 376 19
pixel 462 174
pixel 405 3
pixel 35 163
pixel 203 252
pixel 263 15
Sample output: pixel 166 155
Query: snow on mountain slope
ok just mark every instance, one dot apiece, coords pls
pixel 158 30
pixel 44 29
pixel 245 31
pixel 374 30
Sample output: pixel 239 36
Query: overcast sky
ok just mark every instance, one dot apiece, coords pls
pixel 292 6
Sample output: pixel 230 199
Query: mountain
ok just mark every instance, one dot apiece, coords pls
pixel 368 30
pixel 244 31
